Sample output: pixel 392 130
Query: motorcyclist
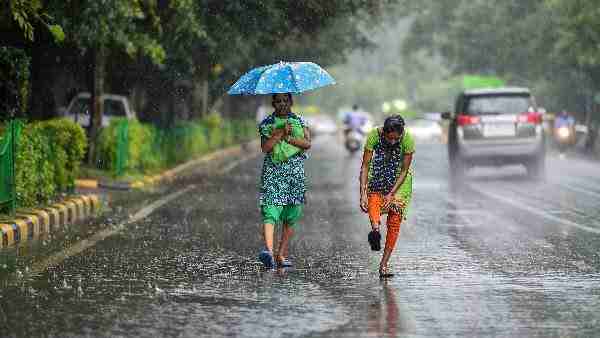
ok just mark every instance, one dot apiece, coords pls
pixel 354 131
pixel 564 131
pixel 354 120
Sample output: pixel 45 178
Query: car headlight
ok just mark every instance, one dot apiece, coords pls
pixel 563 132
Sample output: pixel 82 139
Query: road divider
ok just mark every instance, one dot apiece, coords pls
pixel 168 175
pixel 30 224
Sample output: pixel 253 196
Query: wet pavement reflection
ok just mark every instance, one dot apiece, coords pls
pixel 495 255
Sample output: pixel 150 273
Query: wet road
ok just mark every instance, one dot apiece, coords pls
pixel 496 255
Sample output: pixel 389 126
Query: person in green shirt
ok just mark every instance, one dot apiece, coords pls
pixel 285 138
pixel 386 181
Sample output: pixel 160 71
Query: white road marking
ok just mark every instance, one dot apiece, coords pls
pixel 97 237
pixel 533 210
pixel 580 190
pixel 80 246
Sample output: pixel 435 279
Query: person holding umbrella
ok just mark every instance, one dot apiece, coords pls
pixel 285 138
pixel 386 183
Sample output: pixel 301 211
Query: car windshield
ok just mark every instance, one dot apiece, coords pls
pixel 111 107
pixel 510 104
pixel 81 106
pixel 114 108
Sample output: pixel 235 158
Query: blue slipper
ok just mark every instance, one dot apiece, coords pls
pixel 284 263
pixel 266 257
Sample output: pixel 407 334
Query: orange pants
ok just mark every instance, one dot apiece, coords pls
pixel 393 220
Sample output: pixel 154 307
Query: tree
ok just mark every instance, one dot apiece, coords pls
pixel 550 45
pixel 18 22
pixel 25 14
pixel 103 27
pixel 243 35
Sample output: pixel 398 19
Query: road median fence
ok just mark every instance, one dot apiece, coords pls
pixel 130 148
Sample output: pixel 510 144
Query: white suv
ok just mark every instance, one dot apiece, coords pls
pixel 79 109
pixel 495 127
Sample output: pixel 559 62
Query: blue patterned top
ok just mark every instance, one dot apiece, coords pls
pixel 282 183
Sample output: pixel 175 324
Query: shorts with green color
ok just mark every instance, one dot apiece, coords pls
pixel 282 214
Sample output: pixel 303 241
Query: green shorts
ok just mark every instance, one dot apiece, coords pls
pixel 281 214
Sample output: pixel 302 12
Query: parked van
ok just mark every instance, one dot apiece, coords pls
pixel 79 109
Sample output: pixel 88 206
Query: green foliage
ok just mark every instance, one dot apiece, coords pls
pixel 57 32
pixel 26 14
pixel 129 26
pixel 14 81
pixel 49 154
pixel 529 42
pixel 152 149
pixel 35 172
pixel 477 81
pixel 213 121
pixel 67 144
pixel 140 152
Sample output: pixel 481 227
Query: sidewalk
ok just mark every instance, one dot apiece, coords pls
pixel 92 198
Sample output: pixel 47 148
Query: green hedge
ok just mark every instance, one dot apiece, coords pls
pixel 152 149
pixel 49 155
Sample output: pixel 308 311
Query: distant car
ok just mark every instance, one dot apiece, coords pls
pixel 321 124
pixel 425 130
pixel 114 106
pixel 495 127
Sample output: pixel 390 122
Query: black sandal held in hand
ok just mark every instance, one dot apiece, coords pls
pixel 384 273
pixel 375 240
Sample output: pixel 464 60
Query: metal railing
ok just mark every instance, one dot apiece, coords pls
pixel 8 151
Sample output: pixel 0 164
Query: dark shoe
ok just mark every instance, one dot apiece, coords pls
pixel 284 262
pixel 266 257
pixel 375 240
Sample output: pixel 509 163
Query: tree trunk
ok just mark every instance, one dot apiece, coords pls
pixel 205 97
pixel 97 104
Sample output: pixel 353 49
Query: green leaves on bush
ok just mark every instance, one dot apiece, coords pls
pixel 49 154
pixel 151 149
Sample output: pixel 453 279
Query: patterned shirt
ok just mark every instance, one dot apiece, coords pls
pixel 386 164
pixel 282 183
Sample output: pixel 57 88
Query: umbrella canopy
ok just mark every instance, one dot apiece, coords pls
pixel 282 77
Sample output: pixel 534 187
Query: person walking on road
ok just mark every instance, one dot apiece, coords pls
pixel 284 141
pixel 386 182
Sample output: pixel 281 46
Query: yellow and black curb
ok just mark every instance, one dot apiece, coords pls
pixel 30 224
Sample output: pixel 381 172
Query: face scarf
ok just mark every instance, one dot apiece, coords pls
pixel 389 148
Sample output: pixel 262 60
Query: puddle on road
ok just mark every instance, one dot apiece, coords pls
pixel 265 304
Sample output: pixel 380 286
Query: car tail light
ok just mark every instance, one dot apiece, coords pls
pixel 465 120
pixel 534 118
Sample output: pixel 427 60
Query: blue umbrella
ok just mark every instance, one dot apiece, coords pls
pixel 282 77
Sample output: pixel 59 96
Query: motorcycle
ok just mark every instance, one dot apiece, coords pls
pixel 564 138
pixel 355 137
pixel 354 140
